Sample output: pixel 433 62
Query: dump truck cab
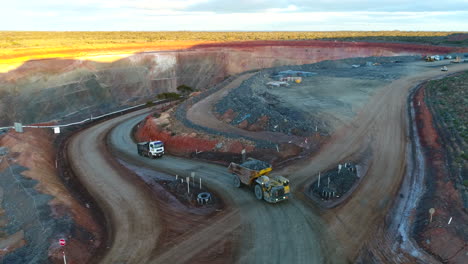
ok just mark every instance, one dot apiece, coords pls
pixel 254 173
pixel 151 149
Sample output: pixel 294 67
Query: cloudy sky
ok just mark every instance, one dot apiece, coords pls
pixel 237 15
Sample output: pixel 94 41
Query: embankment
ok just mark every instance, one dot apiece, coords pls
pixel 42 90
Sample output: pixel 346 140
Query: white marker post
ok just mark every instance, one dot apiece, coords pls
pixel 62 243
pixel 431 212
pixel 318 184
pixel 450 221
pixel 200 183
pixel 193 177
pixel 188 184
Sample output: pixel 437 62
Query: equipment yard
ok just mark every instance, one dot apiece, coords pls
pixel 357 155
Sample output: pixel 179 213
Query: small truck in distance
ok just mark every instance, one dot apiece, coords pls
pixel 151 149
pixel 253 173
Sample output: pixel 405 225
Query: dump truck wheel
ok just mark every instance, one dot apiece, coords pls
pixel 237 182
pixel 258 192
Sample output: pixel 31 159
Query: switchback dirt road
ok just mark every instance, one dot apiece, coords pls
pixel 287 232
pixel 283 233
pixel 128 206
pixel 380 129
pixel 378 133
pixel 202 114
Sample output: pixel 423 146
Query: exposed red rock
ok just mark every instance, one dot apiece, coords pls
pixel 438 237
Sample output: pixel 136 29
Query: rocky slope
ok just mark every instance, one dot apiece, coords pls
pixel 43 90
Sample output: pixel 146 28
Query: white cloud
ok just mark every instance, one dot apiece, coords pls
pixel 290 8
pixel 245 15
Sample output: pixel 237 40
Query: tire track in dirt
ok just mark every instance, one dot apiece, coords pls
pixel 286 232
pixel 380 127
pixel 129 208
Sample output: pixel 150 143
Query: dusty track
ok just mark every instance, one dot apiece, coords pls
pixel 380 127
pixel 201 114
pixel 128 207
pixel 283 233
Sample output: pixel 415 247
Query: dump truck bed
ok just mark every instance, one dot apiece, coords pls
pixel 249 170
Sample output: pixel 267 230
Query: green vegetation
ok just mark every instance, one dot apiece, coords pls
pixel 36 39
pixel 449 98
pixel 168 96
pixel 184 89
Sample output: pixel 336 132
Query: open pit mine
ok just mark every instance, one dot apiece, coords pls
pixel 244 152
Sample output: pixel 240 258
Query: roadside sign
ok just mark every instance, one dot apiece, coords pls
pixel 57 130
pixel 62 242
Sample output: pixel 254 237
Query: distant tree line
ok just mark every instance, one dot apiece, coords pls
pixel 56 39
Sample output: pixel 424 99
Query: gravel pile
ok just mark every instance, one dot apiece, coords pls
pixel 252 101
pixel 340 182
pixel 28 210
pixel 254 98
pixel 181 112
pixel 255 164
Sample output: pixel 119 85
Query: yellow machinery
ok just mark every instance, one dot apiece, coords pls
pixel 430 59
pixel 457 60
pixel 253 173
pixel 298 80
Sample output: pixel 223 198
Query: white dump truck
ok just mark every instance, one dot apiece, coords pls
pixel 151 149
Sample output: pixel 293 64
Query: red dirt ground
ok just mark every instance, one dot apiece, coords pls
pixel 439 238
pixel 140 47
pixel 320 43
pixel 65 57
pixel 178 222
pixel 185 144
pixel 179 145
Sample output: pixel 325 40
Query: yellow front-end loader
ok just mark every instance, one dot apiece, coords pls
pixel 254 173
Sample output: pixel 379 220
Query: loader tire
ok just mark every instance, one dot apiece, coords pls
pixel 258 192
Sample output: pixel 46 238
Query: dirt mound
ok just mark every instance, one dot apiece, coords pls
pixel 255 164
pixel 187 142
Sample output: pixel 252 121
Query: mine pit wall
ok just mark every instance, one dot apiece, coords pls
pixel 43 90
